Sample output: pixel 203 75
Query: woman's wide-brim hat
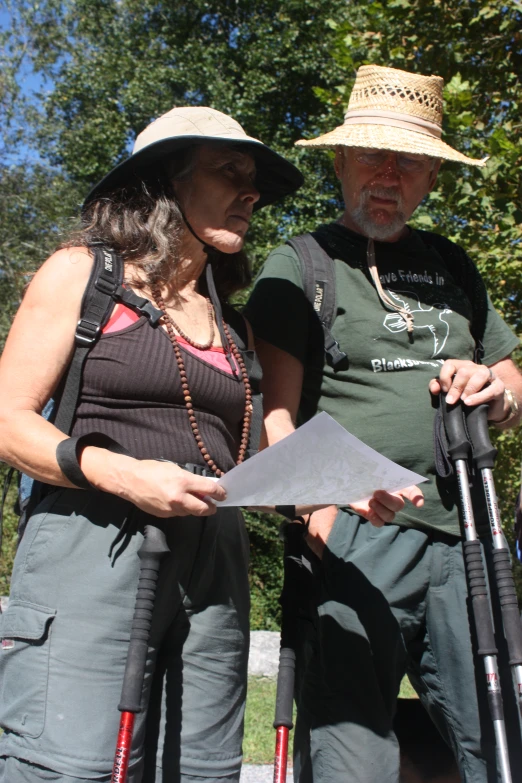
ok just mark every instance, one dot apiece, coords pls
pixel 393 110
pixel 196 125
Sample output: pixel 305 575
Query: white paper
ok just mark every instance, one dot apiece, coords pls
pixel 320 463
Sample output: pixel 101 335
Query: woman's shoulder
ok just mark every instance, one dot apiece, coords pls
pixel 68 262
pixel 64 275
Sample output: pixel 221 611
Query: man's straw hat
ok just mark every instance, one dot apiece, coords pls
pixel 393 110
pixel 183 127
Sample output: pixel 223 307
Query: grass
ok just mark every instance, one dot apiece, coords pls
pixel 259 741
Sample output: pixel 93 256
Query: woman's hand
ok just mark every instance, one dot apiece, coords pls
pixel 162 489
pixel 473 384
pixel 382 506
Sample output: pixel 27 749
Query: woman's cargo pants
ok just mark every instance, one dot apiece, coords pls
pixel 66 632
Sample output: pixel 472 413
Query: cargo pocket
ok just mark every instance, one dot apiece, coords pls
pixel 25 631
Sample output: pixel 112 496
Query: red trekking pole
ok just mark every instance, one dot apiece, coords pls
pixel 153 548
pixel 293 535
pixel 283 713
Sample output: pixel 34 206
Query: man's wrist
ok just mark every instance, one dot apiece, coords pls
pixel 512 409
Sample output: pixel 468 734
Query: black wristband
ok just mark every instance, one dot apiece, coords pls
pixel 286 511
pixel 68 450
pixel 67 458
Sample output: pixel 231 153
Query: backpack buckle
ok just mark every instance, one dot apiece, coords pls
pixel 86 332
pixel 105 286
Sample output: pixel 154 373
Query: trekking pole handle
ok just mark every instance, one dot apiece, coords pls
pixel 459 446
pixel 153 548
pixel 484 453
pixel 285 689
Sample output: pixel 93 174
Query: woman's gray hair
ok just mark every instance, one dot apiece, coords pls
pixel 143 222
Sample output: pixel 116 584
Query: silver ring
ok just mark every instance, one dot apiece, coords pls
pixel 492 376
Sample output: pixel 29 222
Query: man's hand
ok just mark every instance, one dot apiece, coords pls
pixel 382 506
pixel 473 384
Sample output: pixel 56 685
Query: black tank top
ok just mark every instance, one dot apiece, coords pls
pixel 131 390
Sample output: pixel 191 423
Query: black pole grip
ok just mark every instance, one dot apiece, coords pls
pixel 285 689
pixel 153 548
pixel 479 597
pixel 509 605
pixel 484 453
pixel 459 446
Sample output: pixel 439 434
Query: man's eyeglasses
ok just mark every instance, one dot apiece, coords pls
pixel 407 164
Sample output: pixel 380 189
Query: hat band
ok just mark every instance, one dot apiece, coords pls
pixel 394 119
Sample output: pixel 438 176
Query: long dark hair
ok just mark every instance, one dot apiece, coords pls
pixel 143 222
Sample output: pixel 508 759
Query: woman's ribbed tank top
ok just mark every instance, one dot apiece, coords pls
pixel 131 391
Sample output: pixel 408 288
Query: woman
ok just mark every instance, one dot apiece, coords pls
pixel 172 395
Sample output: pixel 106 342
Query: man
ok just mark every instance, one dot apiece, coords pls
pixel 391 599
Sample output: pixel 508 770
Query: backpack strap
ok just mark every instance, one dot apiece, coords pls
pixel 242 334
pixel 139 303
pixel 97 305
pixel 467 277
pixel 318 275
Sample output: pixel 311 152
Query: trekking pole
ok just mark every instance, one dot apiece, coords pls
pixel 484 454
pixel 283 712
pixel 283 722
pixel 459 449
pixel 153 548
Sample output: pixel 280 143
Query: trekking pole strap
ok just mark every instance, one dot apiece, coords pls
pixel 152 550
pixel 479 596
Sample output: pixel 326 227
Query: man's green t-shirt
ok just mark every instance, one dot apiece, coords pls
pixel 383 396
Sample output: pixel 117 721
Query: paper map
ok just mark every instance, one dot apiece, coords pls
pixel 320 463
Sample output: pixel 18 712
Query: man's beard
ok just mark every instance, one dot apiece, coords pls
pixel 361 214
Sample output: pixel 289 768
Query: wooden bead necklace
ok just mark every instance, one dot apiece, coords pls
pixel 247 418
pixel 201 346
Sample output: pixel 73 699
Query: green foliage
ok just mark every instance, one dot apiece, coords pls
pixel 266 573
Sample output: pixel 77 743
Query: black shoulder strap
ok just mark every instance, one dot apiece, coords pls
pixel 241 333
pixel 468 278
pixel 318 274
pixel 97 305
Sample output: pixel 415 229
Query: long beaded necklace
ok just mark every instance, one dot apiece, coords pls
pixel 247 418
pixel 201 346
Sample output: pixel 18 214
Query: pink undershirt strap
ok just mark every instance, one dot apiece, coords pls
pixel 122 317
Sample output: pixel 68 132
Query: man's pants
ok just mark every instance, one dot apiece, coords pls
pixel 390 600
pixel 66 634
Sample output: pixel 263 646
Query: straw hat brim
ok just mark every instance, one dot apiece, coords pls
pixel 276 177
pixel 387 137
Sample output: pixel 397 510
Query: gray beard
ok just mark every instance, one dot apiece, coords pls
pixel 361 215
